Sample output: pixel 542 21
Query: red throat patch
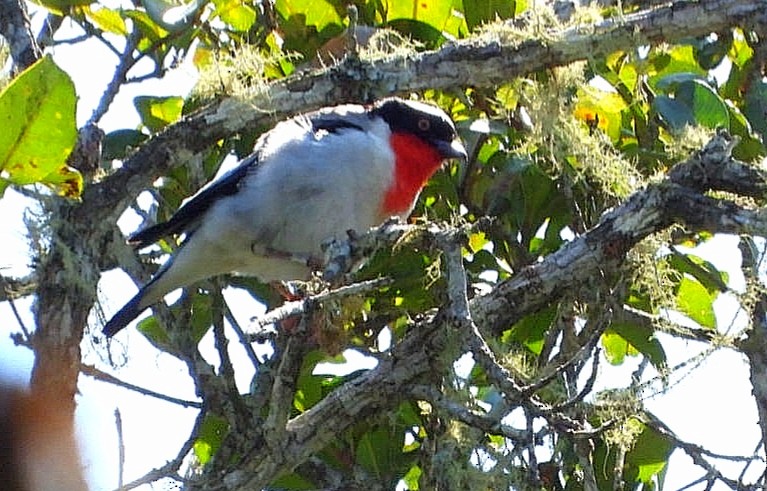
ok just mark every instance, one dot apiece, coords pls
pixel 415 162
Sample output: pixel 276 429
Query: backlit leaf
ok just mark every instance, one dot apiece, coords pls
pixel 600 107
pixel 37 117
pixel 696 302
pixel 648 456
pixel 317 13
pixel 236 13
pixel 107 20
pixel 617 347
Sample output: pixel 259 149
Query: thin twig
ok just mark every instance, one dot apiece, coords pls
pixel 121 72
pixel 462 413
pixel 97 374
pixel 120 448
pixel 299 306
pixel 247 346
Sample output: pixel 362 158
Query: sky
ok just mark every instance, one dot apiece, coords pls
pixel 711 405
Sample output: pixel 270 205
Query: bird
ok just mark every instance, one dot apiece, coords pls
pixel 310 179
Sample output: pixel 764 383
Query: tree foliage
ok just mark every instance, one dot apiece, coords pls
pixel 606 142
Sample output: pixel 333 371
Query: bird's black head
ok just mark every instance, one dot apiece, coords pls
pixel 425 121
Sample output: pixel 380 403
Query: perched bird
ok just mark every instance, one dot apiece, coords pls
pixel 309 179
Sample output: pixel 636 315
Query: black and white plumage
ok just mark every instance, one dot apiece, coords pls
pixel 311 178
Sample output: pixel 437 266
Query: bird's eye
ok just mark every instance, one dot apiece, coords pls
pixel 424 124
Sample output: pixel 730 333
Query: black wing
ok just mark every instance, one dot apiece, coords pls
pixel 184 219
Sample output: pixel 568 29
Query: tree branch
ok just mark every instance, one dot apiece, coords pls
pixel 15 28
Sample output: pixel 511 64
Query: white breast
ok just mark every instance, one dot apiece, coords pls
pixel 309 188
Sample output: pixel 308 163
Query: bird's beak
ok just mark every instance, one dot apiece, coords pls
pixel 451 150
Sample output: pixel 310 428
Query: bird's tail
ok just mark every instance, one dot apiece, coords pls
pixel 130 311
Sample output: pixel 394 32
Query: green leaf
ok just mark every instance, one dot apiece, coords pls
pixel 237 14
pixel 477 241
pixel 201 316
pixel 696 302
pixel 648 456
pixel 107 20
pixel 702 270
pixel 317 13
pixel 755 107
pixel 309 386
pixel 617 347
pixel 707 107
pixel 603 107
pixel 212 432
pixel 680 59
pixel 119 143
pixel 675 114
pixel 158 112
pixel 37 117
pixel 641 339
pixel 478 12
pixel 531 330
pixel 379 451
pixel 432 13
pixel 292 482
pixel 152 32
pixel 154 332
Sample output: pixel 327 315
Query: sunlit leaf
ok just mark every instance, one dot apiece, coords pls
pixel 236 13
pixel 679 59
pixel 740 52
pixel 600 107
pixel 477 241
pixel 107 20
pixel 617 347
pixel 152 32
pixel 37 117
pixel 158 112
pixel 696 302
pixel 433 13
pixel 317 13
